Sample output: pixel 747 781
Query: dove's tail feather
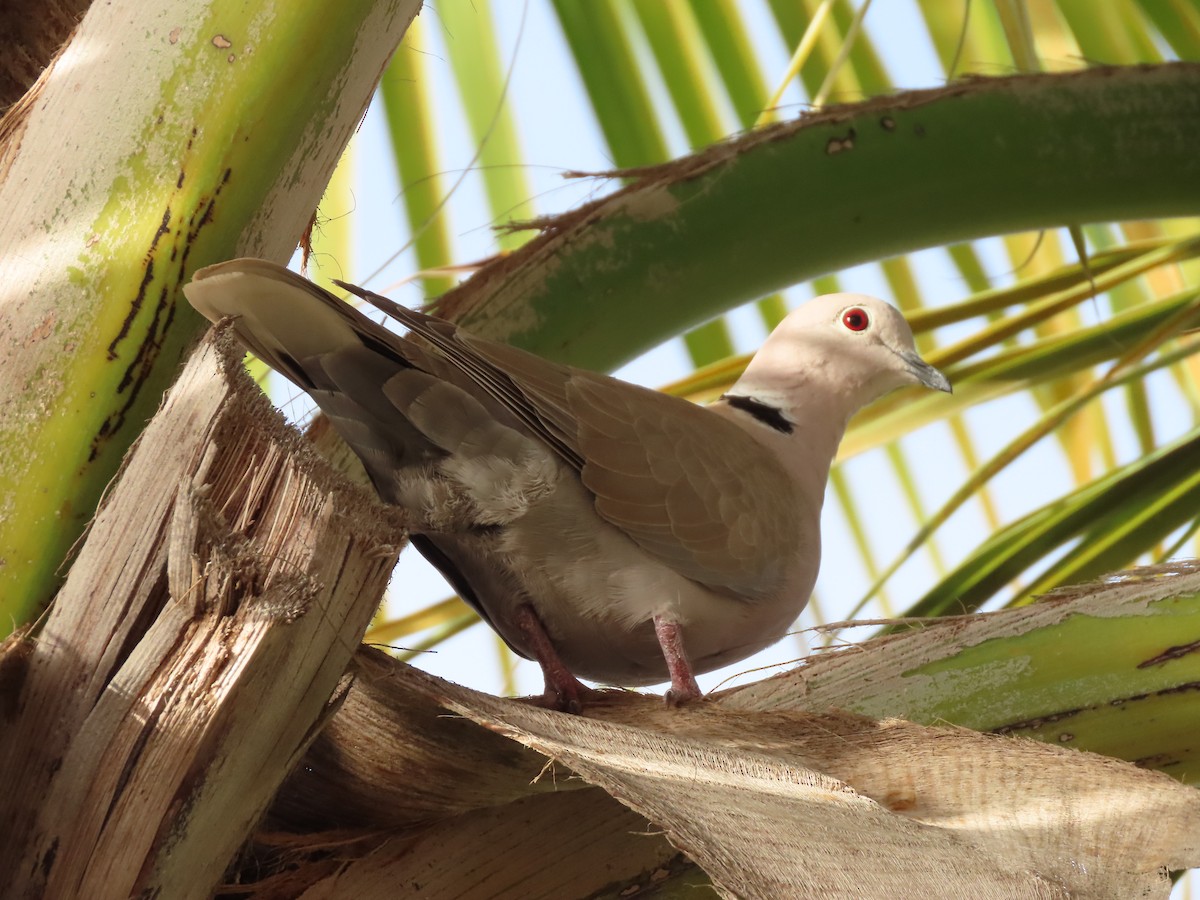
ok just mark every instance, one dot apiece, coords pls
pixel 327 348
pixel 283 318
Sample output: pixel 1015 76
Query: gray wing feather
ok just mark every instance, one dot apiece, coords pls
pixel 690 488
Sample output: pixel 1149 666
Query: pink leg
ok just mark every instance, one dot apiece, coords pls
pixel 683 682
pixel 563 690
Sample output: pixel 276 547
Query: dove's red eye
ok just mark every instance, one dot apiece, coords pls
pixel 856 319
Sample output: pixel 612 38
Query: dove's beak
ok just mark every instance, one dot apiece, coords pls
pixel 925 373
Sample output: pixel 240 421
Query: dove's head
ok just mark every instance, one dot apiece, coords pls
pixel 846 346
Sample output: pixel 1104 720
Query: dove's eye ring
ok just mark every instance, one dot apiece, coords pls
pixel 856 319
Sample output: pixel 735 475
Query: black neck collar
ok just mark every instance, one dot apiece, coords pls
pixel 771 416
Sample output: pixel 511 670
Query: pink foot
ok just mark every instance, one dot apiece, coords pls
pixel 683 683
pixel 563 690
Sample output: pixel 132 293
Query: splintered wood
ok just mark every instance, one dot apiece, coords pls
pixel 193 652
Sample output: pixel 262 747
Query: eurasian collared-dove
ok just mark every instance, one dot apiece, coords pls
pixel 606 530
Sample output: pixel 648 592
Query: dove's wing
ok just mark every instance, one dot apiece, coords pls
pixel 690 488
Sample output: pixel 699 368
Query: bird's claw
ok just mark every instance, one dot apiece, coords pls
pixel 566 698
pixel 679 694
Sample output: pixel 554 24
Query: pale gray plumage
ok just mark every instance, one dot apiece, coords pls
pixel 593 523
